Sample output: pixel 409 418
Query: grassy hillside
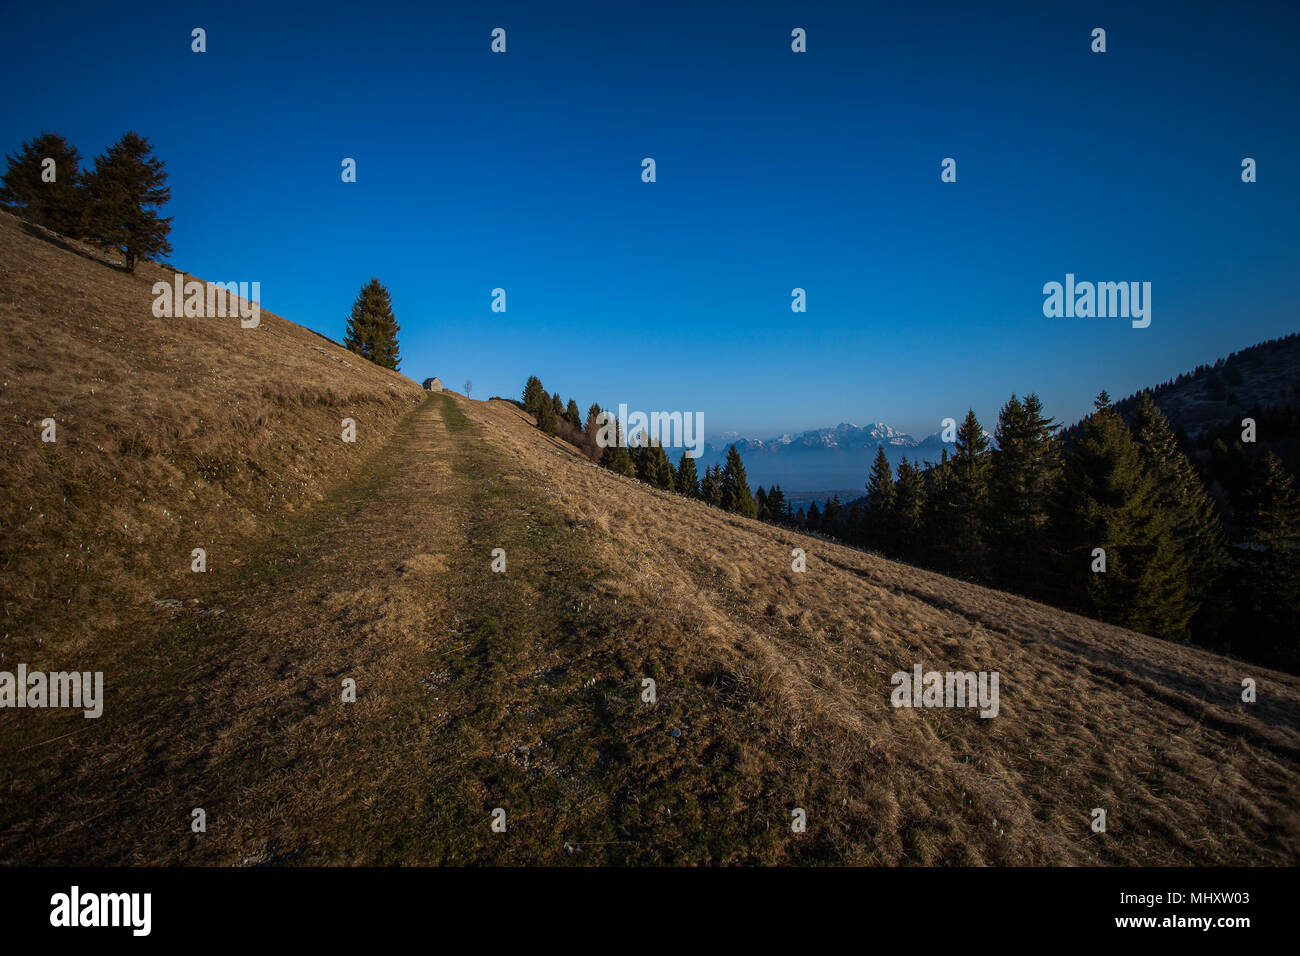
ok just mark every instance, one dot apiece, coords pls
pixel 781 682
pixel 172 434
pixel 521 690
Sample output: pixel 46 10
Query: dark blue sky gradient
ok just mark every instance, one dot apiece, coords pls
pixel 775 170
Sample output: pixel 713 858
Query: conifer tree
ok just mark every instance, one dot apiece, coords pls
pixel 688 482
pixel 969 492
pixel 760 504
pixel 642 460
pixel 546 417
pixel 736 495
pixel 832 517
pixel 1269 591
pixel 778 509
pixel 1008 543
pixel 372 327
pixel 939 516
pixel 557 406
pixel 591 429
pixel 616 457
pixel 879 530
pixel 665 473
pixel 909 508
pixel 572 415
pixel 1024 472
pixel 652 464
pixel 711 486
pixel 814 519
pixel 639 448
pixel 1197 531
pixel 1041 486
pixel 1110 501
pixel 619 461
pixel 1230 468
pixel 51 196
pixel 124 189
pixel 534 393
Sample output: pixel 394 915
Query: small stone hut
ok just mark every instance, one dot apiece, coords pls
pixel 433 385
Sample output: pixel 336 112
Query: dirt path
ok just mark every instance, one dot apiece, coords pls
pixel 251 725
pixel 522 691
pixel 475 691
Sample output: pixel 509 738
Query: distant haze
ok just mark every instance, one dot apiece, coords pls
pixel 823 460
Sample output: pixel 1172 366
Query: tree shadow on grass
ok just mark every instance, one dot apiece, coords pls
pixel 73 246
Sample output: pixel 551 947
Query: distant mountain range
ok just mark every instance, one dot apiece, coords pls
pixel 823 461
pixel 1208 400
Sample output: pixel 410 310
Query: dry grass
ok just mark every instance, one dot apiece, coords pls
pixel 1091 715
pixel 162 424
pixel 522 690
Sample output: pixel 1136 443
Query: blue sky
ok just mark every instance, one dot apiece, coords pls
pixel 775 170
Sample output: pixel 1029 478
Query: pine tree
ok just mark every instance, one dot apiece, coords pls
pixel 546 417
pixel 123 189
pixel 909 508
pixel 618 460
pixel 1269 592
pixel 711 485
pixel 688 482
pixel 372 328
pixel 641 459
pixel 1008 547
pixel 939 516
pixel 639 448
pixel 778 509
pixel 879 530
pixel 814 519
pixel 736 495
pixel 557 406
pixel 534 393
pixel 665 473
pixel 616 457
pixel 1110 501
pixel 592 430
pixel 1197 531
pixel 1230 468
pixel 832 517
pixel 1042 484
pixel 652 464
pixel 760 504
pixel 572 415
pixel 58 205
pixel 969 490
pixel 1024 471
